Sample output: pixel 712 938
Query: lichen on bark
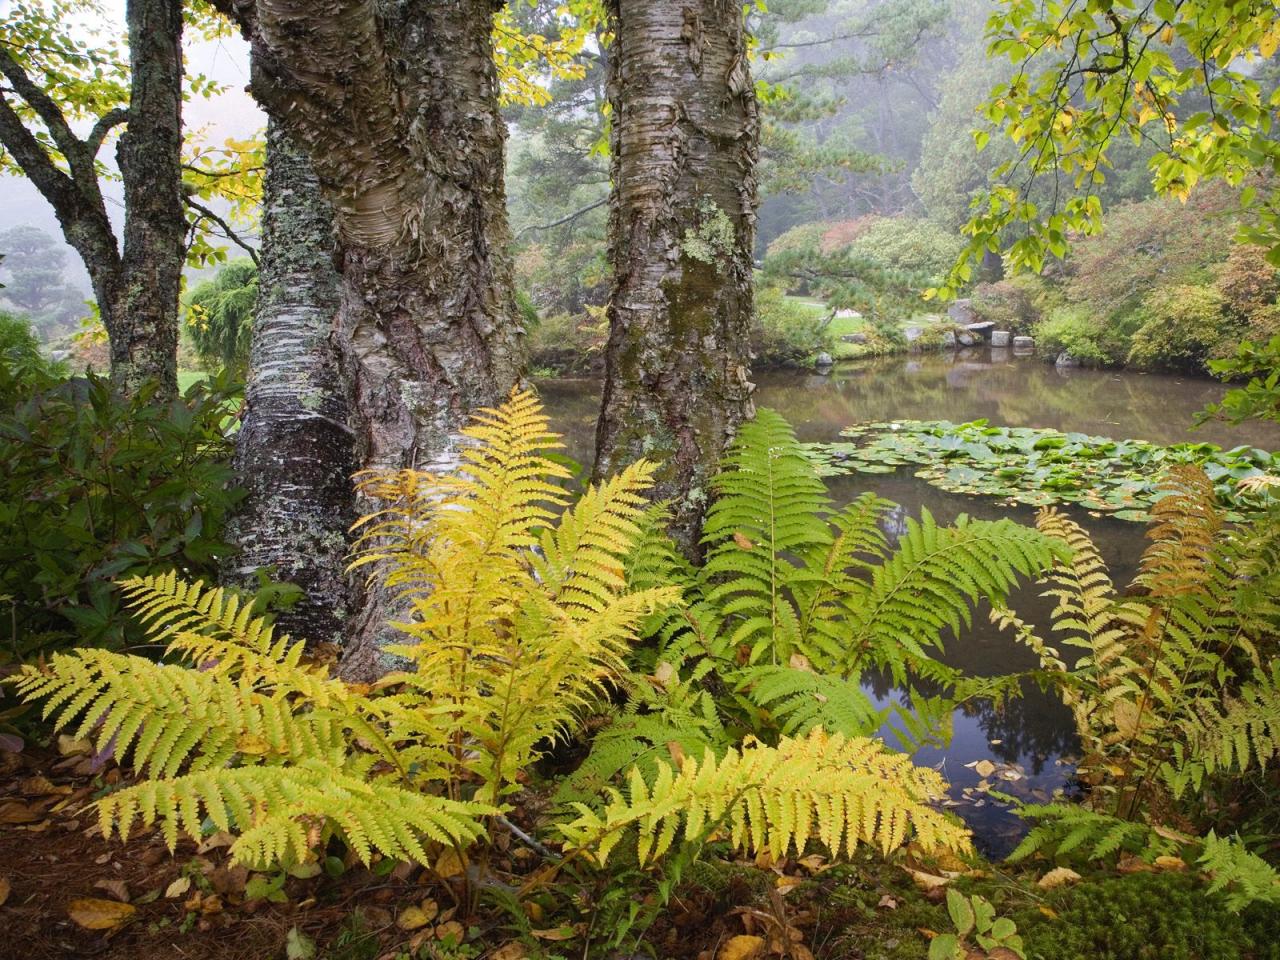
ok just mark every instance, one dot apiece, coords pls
pixel 685 135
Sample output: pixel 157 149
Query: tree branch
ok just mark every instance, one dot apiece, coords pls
pixel 46 109
pixel 230 234
pixel 563 220
pixel 106 123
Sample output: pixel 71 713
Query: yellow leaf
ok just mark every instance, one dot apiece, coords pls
pixel 419 915
pixel 1049 912
pixel 177 888
pixel 927 881
pixel 742 947
pixel 253 743
pixel 1058 877
pixel 451 930
pixel 4 890
pixel 984 768
pixel 449 864
pixel 1170 863
pixel 515 950
pixel 94 914
pixel 742 541
pixel 554 933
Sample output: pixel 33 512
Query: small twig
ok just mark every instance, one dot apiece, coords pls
pixel 528 840
pixel 231 235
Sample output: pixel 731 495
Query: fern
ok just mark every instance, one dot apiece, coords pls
pixel 800 700
pixel 1062 829
pixel 839 792
pixel 1242 877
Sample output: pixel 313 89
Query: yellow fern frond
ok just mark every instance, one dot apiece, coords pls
pixel 274 811
pixel 839 792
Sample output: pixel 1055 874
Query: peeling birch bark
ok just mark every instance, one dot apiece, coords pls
pixel 682 225
pixel 396 103
pixel 294 448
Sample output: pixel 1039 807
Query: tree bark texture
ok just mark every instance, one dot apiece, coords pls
pixel 144 312
pixel 136 288
pixel 397 105
pixel 396 102
pixel 294 448
pixel 682 223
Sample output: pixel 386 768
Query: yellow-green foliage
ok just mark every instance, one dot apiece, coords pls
pixel 1170 686
pixel 518 618
pixel 840 792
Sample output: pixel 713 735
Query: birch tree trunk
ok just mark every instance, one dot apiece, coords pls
pixel 682 223
pixel 397 106
pixel 294 449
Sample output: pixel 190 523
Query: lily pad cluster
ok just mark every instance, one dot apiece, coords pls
pixel 1041 467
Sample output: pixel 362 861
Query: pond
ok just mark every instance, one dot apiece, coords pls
pixel 1030 741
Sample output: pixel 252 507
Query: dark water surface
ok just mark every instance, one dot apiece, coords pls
pixel 1030 741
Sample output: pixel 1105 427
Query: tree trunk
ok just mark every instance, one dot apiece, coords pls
pixel 144 312
pixel 682 225
pixel 137 289
pixel 397 105
pixel 293 452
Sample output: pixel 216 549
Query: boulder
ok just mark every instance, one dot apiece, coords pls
pixel 1024 343
pixel 854 338
pixel 968 339
pixel 961 312
pixel 948 340
pixel 1065 359
pixel 1000 338
pixel 823 362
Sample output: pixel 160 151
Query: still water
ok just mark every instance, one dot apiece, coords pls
pixel 1029 741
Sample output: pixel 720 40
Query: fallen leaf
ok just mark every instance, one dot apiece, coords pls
pixel 298 946
pixel 554 933
pixel 1057 877
pixel 449 864
pixel 178 887
pixel 71 747
pixel 799 661
pixel 453 931
pixel 418 915
pixel 927 881
pixel 93 914
pixel 888 902
pixel 984 768
pixel 742 947
pixel 5 887
pixel 1049 912
pixel 116 888
pixel 742 541
pixel 515 950
pixel 15 812
pixel 1170 863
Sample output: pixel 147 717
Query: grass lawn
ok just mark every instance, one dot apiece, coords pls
pixel 187 377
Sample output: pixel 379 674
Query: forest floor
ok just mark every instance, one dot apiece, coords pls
pixel 65 893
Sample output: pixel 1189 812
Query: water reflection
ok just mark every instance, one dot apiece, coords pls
pixel 1027 738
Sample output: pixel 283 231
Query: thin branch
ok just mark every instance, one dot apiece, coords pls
pixel 230 234
pixel 45 107
pixel 106 123
pixel 563 220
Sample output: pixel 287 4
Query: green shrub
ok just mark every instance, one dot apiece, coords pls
pixel 1182 328
pixel 1146 916
pixel 95 489
pixel 21 360
pixel 1013 304
pixel 568 343
pixel 220 317
pixel 909 244
pixel 1075 330
pixel 786 332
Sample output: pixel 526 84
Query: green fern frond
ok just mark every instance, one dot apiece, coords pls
pixel 839 792
pixel 1241 876
pixel 1062 829
pixel 931 583
pixel 799 700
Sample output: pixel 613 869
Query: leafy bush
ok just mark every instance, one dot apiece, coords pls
pixel 21 360
pixel 220 317
pixel 909 243
pixel 1182 328
pixel 568 343
pixel 95 488
pixel 786 332
pixel 1012 304
pixel 1074 329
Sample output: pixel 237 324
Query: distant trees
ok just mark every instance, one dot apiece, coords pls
pixel 685 134
pixel 219 316
pixel 55 85
pixel 33 272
